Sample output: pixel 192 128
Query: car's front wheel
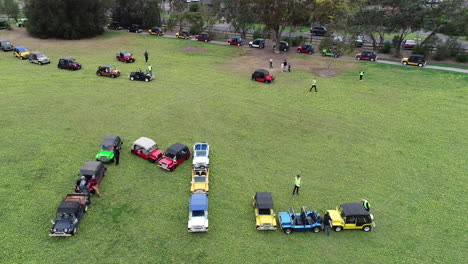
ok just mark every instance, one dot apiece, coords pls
pixel 372 59
pixel 73 232
pixel 336 55
pixel 310 52
pixel 420 65
pixel 366 228
pixel 112 76
pixel 323 54
pixel 40 63
pixel 316 229
pixel 338 228
pixel 146 79
pixel 358 58
pixel 405 63
pixel 133 152
pixel 132 78
pixel 298 51
pixel 98 73
pixel 288 231
pixel 151 160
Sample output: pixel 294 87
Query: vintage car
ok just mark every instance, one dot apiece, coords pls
pixel 135 28
pixel 68 64
pixel 182 35
pixel 69 214
pixel 201 155
pixel 38 58
pixel 367 55
pixel 21 52
pixel 409 44
pixel 238 41
pixel 22 22
pixel 174 156
pixel 306 48
pixel 147 149
pixel 90 169
pixel 6 45
pixel 4 25
pixel 415 60
pixel 108 144
pixel 141 76
pixel 303 221
pixel 264 214
pixel 359 41
pixel 198 213
pixel 108 70
pixel 262 75
pixel 203 37
pixel 257 43
pixel 114 25
pixel 318 31
pixel 125 56
pixel 200 180
pixel 330 53
pixel 156 31
pixel 283 46
pixel 351 216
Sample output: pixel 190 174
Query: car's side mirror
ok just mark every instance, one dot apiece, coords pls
pixel 52 221
pixel 75 221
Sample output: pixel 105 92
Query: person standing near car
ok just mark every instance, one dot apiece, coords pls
pixel 297 184
pixel 361 75
pixel 282 67
pixel 327 222
pixel 116 154
pixel 146 56
pixel 289 67
pixel 82 185
pixel 366 204
pixel 150 69
pixel 271 63
pixel 314 85
pixel 93 184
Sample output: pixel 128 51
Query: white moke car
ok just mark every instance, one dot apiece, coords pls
pixel 201 155
pixel 198 213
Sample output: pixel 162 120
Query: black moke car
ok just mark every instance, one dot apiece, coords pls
pixel 69 214
pixel 283 46
pixel 141 76
pixel 90 169
pixel 135 28
pixel 114 25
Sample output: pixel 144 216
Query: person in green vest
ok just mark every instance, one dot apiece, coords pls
pixel 361 75
pixel 314 85
pixel 150 69
pixel 366 204
pixel 297 184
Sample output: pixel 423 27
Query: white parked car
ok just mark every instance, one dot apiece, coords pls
pixel 198 213
pixel 201 155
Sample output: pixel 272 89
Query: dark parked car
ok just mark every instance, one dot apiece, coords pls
pixel 409 44
pixel 283 46
pixel 114 25
pixel 6 45
pixel 68 64
pixel 367 55
pixel 38 58
pixel 318 31
pixel 203 37
pixel 135 28
pixel 174 156
pixel 4 25
pixel 69 214
pixel 141 76
pixel 262 75
pixel 156 31
pixel 415 60
pixel 90 169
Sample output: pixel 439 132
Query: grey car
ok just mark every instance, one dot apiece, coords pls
pixel 38 58
pixel 6 45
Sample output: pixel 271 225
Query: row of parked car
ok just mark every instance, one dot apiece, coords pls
pixel 346 216
pixel 198 203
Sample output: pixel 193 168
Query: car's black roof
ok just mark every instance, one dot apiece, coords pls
pixel 155 28
pixel 36 52
pixel 416 55
pixel 90 168
pixel 176 148
pixel 264 200
pixel 68 58
pixel 285 42
pixel 354 209
pixel 109 140
pixel 262 70
pixel 68 207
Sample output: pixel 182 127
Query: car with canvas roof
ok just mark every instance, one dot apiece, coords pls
pixel 141 76
pixel 236 41
pixel 283 46
pixel 183 35
pixel 351 216
pixel 38 58
pixel 203 37
pixel 414 60
pixel 108 145
pixel 125 56
pixel 21 52
pixel 201 155
pixel 157 31
pixel 90 169
pixel 147 149
pixel 198 213
pixel 135 28
pixel 174 156
pixel 6 45
pixel 366 55
pixel 306 48
pixel 262 75
pixel 257 43
pixel 264 213
pixel 69 214
pixel 68 64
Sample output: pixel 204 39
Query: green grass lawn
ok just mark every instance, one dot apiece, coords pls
pixel 397 139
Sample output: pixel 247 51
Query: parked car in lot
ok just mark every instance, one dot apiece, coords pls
pixel 125 56
pixel 198 213
pixel 351 216
pixel 182 35
pixel 21 52
pixel 306 48
pixel 141 76
pixel 69 214
pixel 90 169
pixel 22 22
pixel 409 44
pixel 4 25
pixel 135 28
pixel 174 156
pixel 108 144
pixel 108 70
pixel 262 75
pixel 330 53
pixel 114 25
pixel 147 149
pixel 283 46
pixel 303 221
pixel 203 37
pixel 200 180
pixel 156 31
pixel 237 41
pixel 318 31
pixel 257 43
pixel 415 60
pixel 264 214
pixel 6 45
pixel 68 64
pixel 359 41
pixel 201 155
pixel 38 58
pixel 367 55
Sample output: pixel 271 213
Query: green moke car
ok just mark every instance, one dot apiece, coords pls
pixel 330 53
pixel 108 144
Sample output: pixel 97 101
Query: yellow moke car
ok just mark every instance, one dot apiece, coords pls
pixel 200 180
pixel 21 52
pixel 265 217
pixel 351 216
pixel 415 60
pixel 183 35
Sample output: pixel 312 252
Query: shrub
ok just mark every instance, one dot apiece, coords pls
pixel 462 57
pixel 257 34
pixel 419 49
pixel 326 42
pixel 387 47
pixel 442 53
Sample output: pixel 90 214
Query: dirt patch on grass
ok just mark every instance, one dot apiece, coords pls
pixel 193 49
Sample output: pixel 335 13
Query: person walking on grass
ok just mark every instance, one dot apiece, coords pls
pixel 327 222
pixel 314 85
pixel 282 67
pixel 146 56
pixel 289 67
pixel 271 63
pixel 361 75
pixel 297 184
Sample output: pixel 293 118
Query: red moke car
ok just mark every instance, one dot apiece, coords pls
pixel 306 48
pixel 203 37
pixel 262 75
pixel 237 41
pixel 367 55
pixel 174 156
pixel 125 56
pixel 147 149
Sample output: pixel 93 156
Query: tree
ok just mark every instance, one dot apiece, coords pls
pixel 239 13
pixel 142 12
pixel 371 20
pixel 67 19
pixel 274 14
pixel 10 8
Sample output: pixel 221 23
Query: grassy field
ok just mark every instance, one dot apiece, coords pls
pixel 397 139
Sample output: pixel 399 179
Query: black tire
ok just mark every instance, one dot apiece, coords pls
pixel 405 63
pixel 323 54
pixel 261 46
pixel 298 51
pixel 133 152
pixel 358 58
pixel 151 160
pixel 314 33
pixel 40 63
pixel 336 55
pixel 372 59
pixel 288 231
pixel 132 78
pixel 420 65
pixel 316 229
pixel 367 228
pixel 284 50
pixel 146 80
pixel 112 76
pixel 74 231
pixel 206 40
pixel 338 228
pixel 98 73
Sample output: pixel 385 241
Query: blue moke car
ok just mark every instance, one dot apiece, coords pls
pixel 198 213
pixel 304 221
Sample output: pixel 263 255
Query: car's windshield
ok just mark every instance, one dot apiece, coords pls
pixel 107 147
pixel 7 43
pixel 264 211
pixel 200 179
pixel 126 54
pixel 200 153
pixel 410 42
pixel 65 216
pixel 71 60
pixel 198 213
pixel 41 56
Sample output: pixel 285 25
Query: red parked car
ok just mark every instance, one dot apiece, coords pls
pixel 367 55
pixel 174 156
pixel 306 48
pixel 68 64
pixel 203 37
pixel 147 149
pixel 409 44
pixel 262 75
pixel 125 56
pixel 237 41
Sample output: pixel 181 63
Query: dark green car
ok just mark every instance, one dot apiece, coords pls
pixel 6 45
pixel 108 144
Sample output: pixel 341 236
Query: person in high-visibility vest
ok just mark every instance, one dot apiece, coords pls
pixel 150 69
pixel 314 85
pixel 361 75
pixel 366 204
pixel 297 184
